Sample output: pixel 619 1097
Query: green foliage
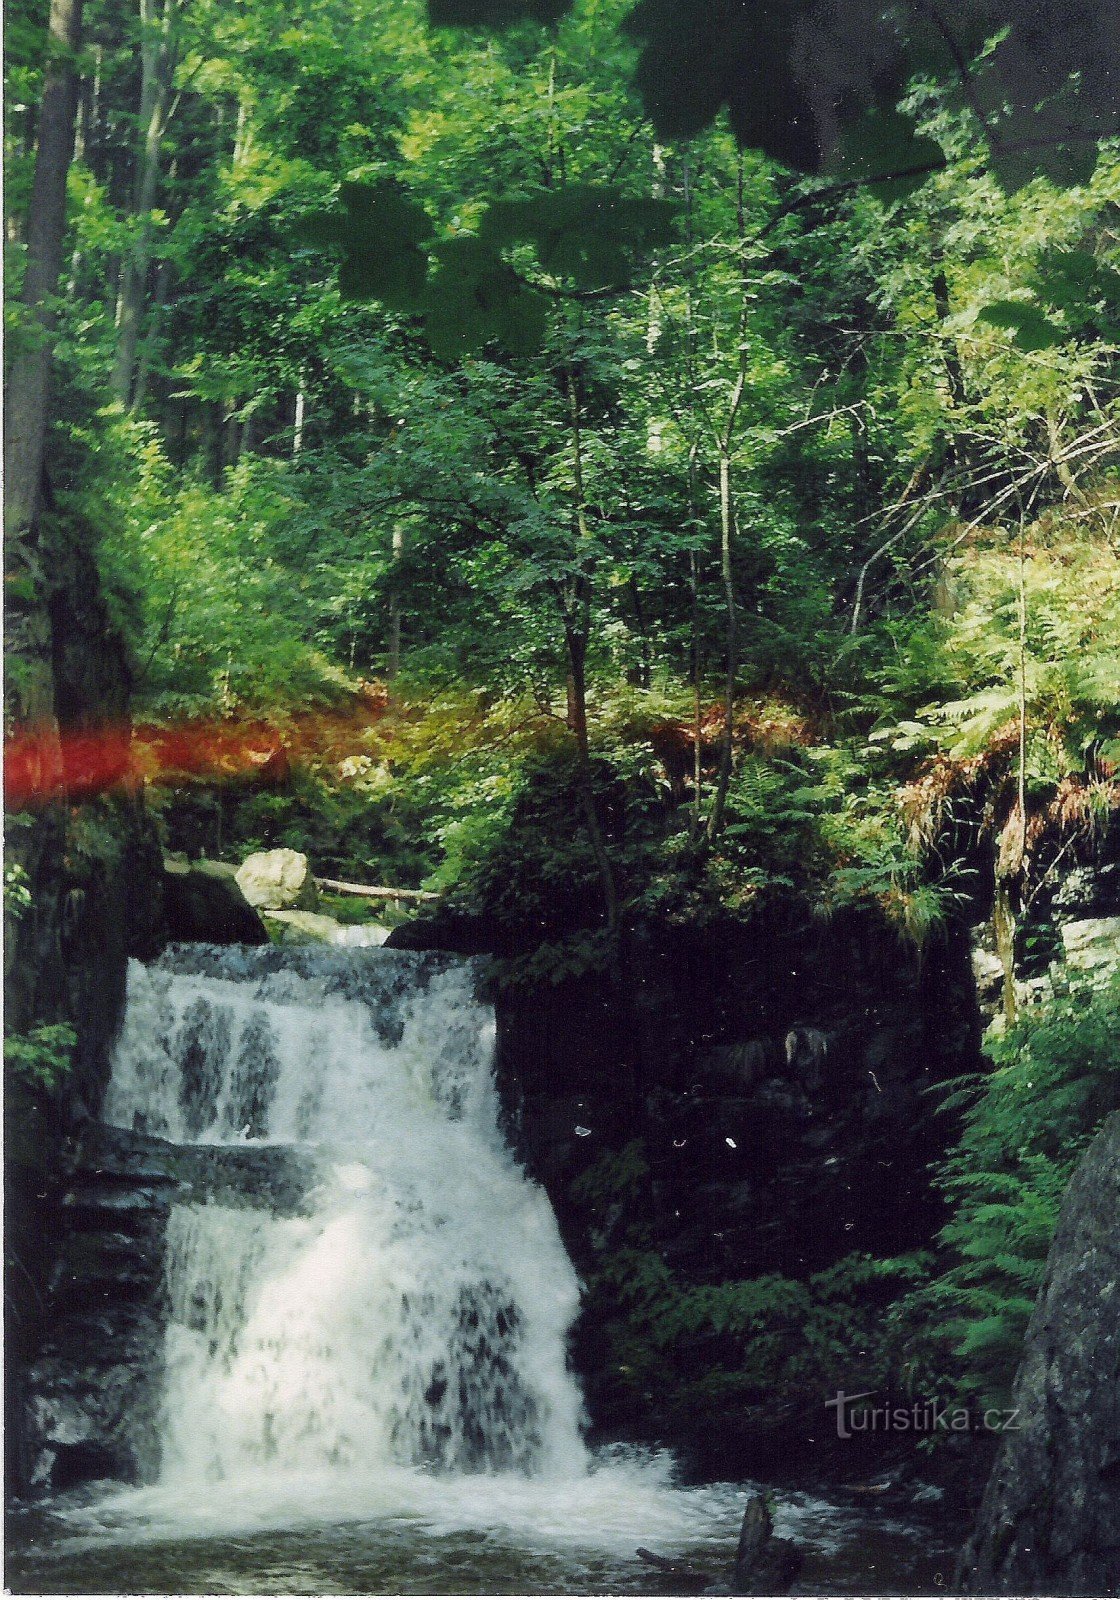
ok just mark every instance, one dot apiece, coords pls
pixel 1031 329
pixel 362 830
pixel 17 890
pixel 493 13
pixel 1071 588
pixel 770 1337
pixel 42 1058
pixel 382 234
pixel 776 68
pixel 1055 1076
pixel 584 234
pixel 450 377
pixel 613 1178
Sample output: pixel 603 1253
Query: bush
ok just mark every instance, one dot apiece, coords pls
pixel 42 1058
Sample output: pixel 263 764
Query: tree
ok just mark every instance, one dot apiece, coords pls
pixel 26 410
pixel 159 29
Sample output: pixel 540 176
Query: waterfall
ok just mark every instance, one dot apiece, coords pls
pixel 363 1379
pixel 412 1311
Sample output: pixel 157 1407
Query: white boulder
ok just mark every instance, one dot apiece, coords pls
pixel 278 880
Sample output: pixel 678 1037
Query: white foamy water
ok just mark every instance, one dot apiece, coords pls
pixel 416 1314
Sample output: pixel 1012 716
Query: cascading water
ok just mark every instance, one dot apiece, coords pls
pixel 416 1313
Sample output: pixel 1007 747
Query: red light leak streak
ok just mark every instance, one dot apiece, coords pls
pixel 42 765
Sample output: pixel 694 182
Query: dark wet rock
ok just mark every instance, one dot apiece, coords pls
pixel 1050 1518
pixel 738 1065
pixel 91 1395
pixel 204 906
pixel 92 867
pixel 445 929
pixel 763 1564
pixel 137 1172
pixel 784 1121
pixel 387 986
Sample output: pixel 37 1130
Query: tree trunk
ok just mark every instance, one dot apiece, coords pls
pixel 393 661
pixel 725 443
pixel 576 627
pixel 641 627
pixel 232 435
pixel 954 372
pixel 695 648
pixel 297 428
pixel 157 56
pixel 144 368
pixel 577 721
pixel 727 531
pixel 655 427
pixel 1003 932
pixel 25 415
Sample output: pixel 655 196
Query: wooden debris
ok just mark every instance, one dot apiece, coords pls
pixel 370 891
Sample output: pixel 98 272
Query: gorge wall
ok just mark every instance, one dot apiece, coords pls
pixel 776 1075
pixel 90 869
pixel 1050 1518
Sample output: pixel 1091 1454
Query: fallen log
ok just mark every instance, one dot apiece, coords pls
pixel 370 891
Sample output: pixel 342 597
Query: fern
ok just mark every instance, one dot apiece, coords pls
pixel 1056 1075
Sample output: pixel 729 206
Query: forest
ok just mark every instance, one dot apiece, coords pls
pixel 645 476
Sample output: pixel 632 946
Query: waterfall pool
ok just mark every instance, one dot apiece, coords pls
pixel 412 1533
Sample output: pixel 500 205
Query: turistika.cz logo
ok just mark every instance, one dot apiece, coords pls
pixel 922 1416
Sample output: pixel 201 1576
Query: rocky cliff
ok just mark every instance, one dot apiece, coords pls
pixel 775 1075
pixel 87 870
pixel 1050 1518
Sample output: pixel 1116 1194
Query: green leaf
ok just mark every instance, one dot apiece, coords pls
pixel 1031 328
pixel 473 298
pixel 586 233
pixel 493 13
pixel 1085 289
pixel 382 233
pixel 697 58
pixel 880 149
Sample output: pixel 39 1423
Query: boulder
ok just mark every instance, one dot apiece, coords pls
pixel 1092 944
pixel 199 907
pixel 987 969
pixel 301 927
pixel 1091 891
pixel 1049 1522
pixel 278 880
pixel 361 935
pixel 178 861
pixel 312 927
